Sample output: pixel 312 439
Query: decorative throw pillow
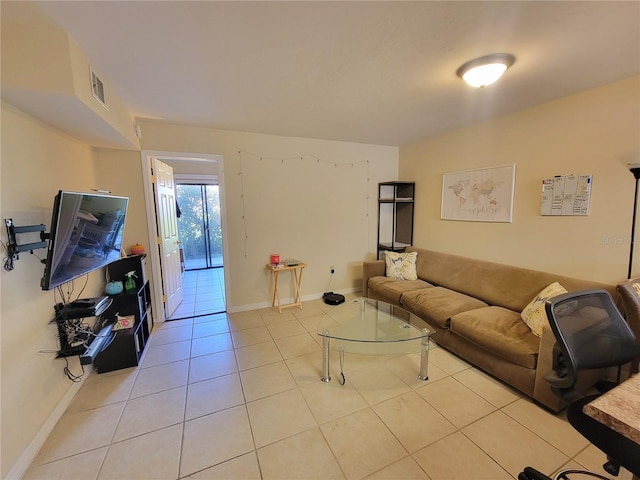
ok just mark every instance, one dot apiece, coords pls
pixel 534 314
pixel 401 265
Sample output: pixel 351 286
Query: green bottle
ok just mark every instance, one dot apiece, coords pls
pixel 130 283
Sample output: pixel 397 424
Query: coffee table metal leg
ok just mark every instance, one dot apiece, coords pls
pixel 325 358
pixel 424 358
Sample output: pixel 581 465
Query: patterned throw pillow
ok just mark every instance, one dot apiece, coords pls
pixel 401 265
pixel 534 314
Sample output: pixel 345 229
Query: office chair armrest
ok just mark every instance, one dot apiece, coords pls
pixel 541 388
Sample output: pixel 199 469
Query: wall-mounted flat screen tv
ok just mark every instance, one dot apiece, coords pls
pixel 86 234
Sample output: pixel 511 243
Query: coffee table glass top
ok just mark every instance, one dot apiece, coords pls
pixel 366 320
pixel 371 327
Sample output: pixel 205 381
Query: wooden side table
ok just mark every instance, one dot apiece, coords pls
pixel 296 270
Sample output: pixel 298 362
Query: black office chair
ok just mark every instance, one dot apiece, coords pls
pixel 590 334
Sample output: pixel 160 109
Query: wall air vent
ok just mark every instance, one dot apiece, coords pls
pixel 97 88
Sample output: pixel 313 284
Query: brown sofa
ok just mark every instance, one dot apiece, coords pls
pixel 630 296
pixel 474 306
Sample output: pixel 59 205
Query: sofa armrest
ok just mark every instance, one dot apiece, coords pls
pixel 371 268
pixel 630 305
pixel 541 388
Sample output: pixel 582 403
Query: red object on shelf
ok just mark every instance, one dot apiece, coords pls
pixel 275 259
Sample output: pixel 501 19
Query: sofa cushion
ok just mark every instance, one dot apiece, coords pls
pixel 500 332
pixel 391 289
pixel 401 265
pixel 437 305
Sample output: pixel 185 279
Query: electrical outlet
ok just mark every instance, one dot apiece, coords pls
pixel 332 269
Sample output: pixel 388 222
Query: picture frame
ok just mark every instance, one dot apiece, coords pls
pixel 480 195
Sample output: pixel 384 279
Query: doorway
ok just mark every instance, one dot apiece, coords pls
pixel 199 299
pixel 199 225
pixel 200 234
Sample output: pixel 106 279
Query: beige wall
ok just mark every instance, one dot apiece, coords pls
pixel 37 161
pixel 594 132
pixel 195 167
pixel 314 200
pixel 120 172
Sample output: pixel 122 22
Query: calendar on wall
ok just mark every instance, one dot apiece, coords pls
pixel 565 195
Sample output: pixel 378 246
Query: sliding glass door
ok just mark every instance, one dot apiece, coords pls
pixel 199 225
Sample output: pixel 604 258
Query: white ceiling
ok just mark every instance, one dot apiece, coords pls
pixel 368 72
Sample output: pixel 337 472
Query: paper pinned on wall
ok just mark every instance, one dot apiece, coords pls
pixel 566 195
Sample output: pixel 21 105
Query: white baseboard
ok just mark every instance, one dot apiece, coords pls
pixel 283 301
pixel 30 453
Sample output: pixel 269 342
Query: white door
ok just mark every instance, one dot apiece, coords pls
pixel 169 245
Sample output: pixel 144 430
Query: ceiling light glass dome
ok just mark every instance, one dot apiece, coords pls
pixel 484 71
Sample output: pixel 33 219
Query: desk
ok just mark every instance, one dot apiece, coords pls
pixel 296 271
pixel 619 408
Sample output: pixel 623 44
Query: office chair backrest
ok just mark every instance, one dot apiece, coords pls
pixel 590 334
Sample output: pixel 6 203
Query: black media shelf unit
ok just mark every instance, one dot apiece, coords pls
pixel 395 216
pixel 73 343
pixel 126 348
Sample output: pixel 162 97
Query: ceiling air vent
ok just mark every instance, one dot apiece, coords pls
pixel 97 88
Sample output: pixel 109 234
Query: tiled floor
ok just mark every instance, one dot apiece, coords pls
pixel 203 292
pixel 239 396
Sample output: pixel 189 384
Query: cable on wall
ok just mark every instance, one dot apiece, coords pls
pixel 310 158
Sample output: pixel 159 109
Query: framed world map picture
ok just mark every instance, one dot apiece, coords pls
pixel 482 195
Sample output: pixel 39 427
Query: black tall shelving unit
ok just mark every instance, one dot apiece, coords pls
pixel 395 216
pixel 128 344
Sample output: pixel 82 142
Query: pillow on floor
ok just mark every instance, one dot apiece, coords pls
pixel 401 265
pixel 534 314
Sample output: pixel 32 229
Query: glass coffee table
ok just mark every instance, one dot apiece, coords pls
pixel 372 327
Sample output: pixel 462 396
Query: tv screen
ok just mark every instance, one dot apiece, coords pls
pixel 86 234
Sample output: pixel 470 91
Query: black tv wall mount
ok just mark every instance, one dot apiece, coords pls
pixel 14 248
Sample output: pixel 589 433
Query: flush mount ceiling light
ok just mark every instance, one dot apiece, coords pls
pixel 483 71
